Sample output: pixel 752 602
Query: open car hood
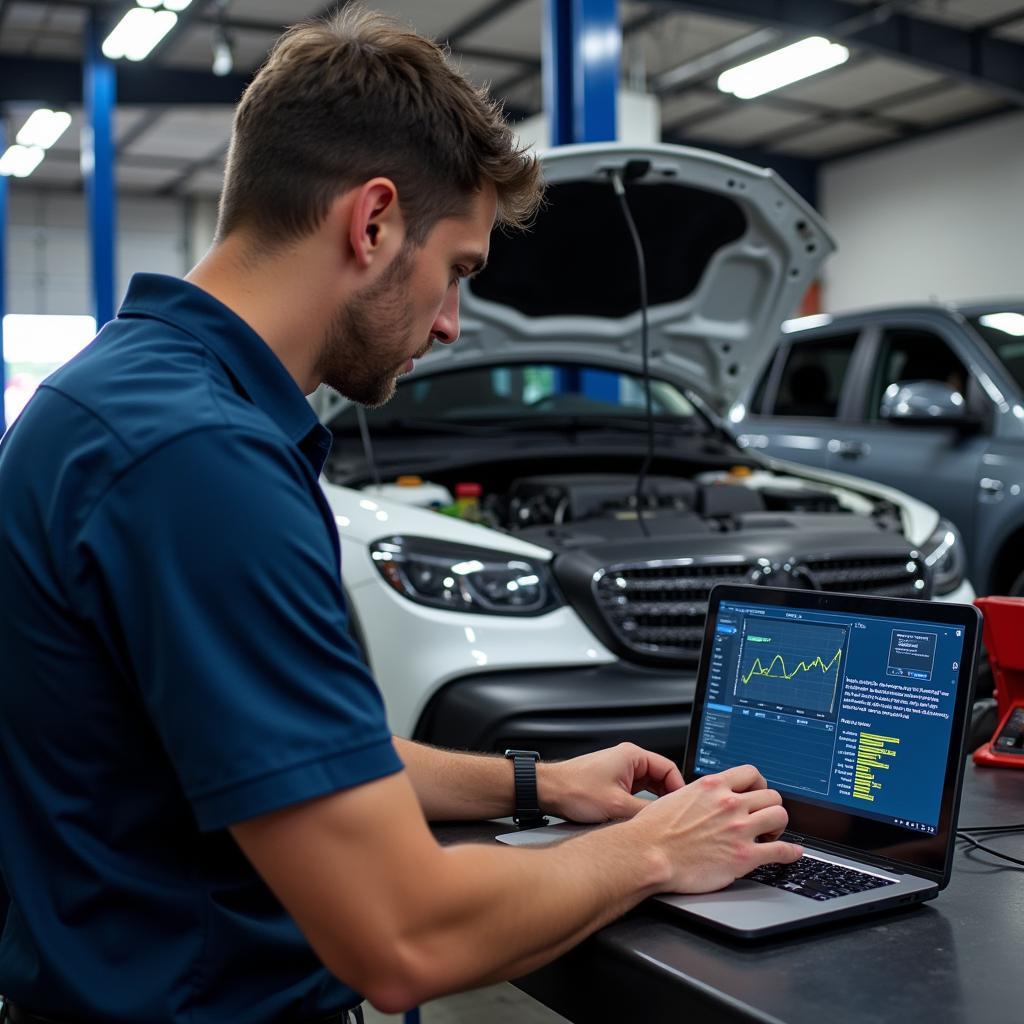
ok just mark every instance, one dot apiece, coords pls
pixel 730 251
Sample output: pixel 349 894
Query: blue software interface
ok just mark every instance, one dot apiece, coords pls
pixel 847 711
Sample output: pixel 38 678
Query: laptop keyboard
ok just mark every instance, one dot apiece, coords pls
pixel 817 879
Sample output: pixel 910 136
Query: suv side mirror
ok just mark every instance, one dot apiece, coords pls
pixel 925 402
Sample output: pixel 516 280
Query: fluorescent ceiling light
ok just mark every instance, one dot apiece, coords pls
pixel 45 338
pixel 20 161
pixel 43 128
pixel 135 35
pixel 1008 323
pixel 223 53
pixel 783 67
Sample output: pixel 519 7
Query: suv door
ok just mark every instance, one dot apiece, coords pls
pixel 796 404
pixel 940 464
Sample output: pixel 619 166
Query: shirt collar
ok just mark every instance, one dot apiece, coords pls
pixel 247 357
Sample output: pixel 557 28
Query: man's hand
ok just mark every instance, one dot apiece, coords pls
pixel 600 786
pixel 717 829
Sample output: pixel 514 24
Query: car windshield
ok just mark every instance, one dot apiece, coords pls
pixel 526 396
pixel 1004 332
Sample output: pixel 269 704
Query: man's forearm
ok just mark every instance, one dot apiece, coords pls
pixel 506 912
pixel 430 920
pixel 451 785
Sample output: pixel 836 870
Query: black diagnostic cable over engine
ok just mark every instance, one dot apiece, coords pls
pixel 633 170
pixel 364 433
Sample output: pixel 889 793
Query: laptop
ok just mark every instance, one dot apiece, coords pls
pixel 855 709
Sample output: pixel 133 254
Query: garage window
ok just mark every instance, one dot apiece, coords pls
pixel 812 378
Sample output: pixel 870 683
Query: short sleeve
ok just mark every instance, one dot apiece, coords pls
pixel 210 572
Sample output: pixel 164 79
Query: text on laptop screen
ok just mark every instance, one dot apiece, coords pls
pixel 847 711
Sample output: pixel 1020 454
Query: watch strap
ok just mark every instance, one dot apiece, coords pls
pixel 524 773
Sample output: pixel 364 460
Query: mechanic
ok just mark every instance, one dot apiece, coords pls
pixel 206 817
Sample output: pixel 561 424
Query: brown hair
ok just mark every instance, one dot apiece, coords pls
pixel 353 97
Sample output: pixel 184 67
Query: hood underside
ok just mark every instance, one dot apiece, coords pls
pixel 729 249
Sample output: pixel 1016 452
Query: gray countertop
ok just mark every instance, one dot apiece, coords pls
pixel 959 958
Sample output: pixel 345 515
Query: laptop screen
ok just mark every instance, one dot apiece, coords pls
pixel 849 704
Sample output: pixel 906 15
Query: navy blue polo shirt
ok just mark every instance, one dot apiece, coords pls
pixel 174 658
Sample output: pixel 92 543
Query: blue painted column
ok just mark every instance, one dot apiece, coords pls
pixel 3 311
pixel 99 95
pixel 581 55
pixel 582 45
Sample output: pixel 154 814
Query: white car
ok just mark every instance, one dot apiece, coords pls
pixel 560 619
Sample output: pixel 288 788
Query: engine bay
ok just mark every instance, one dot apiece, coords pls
pixel 561 510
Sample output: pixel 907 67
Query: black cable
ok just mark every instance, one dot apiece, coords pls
pixel 364 433
pixel 961 834
pixel 620 192
pixel 991 828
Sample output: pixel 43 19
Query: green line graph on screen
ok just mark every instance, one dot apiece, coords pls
pixel 790 664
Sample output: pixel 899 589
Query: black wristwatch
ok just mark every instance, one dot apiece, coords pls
pixel 524 768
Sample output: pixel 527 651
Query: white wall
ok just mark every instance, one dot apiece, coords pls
pixel 48 247
pixel 942 217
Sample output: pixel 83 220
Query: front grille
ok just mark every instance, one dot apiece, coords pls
pixel 659 608
pixel 899 576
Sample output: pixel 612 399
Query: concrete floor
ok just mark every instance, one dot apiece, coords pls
pixel 497 1004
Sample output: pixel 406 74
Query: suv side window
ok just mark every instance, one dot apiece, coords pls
pixel 812 378
pixel 912 353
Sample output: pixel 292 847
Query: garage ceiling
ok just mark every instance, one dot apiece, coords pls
pixel 916 66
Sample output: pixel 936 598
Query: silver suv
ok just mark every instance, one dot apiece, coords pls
pixel 929 399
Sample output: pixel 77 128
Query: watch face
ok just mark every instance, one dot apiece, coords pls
pixel 523 753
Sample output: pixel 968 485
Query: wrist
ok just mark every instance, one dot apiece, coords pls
pixel 551 787
pixel 653 863
pixel 546 788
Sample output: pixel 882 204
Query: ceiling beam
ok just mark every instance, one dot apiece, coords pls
pixel 477 21
pixel 923 132
pixel 35 79
pixel 629 29
pixel 212 159
pixel 975 57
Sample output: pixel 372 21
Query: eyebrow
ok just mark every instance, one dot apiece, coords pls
pixel 476 262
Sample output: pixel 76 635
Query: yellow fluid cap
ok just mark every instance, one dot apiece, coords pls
pixel 410 481
pixel 740 471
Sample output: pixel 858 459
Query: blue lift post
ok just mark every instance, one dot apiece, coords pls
pixel 3 305
pixel 99 95
pixel 582 46
pixel 581 58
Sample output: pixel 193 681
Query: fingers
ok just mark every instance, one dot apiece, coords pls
pixel 778 853
pixel 761 798
pixel 742 778
pixel 656 773
pixel 768 821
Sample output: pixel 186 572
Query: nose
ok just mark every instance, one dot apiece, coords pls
pixel 446 324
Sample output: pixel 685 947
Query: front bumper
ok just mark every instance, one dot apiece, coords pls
pixel 563 712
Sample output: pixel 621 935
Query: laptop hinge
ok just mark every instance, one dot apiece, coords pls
pixel 895 866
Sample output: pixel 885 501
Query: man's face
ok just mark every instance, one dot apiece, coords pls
pixel 375 336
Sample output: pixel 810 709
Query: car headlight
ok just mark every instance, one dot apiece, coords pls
pixel 464 579
pixel 944 556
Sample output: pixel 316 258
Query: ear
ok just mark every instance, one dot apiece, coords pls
pixel 376 228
